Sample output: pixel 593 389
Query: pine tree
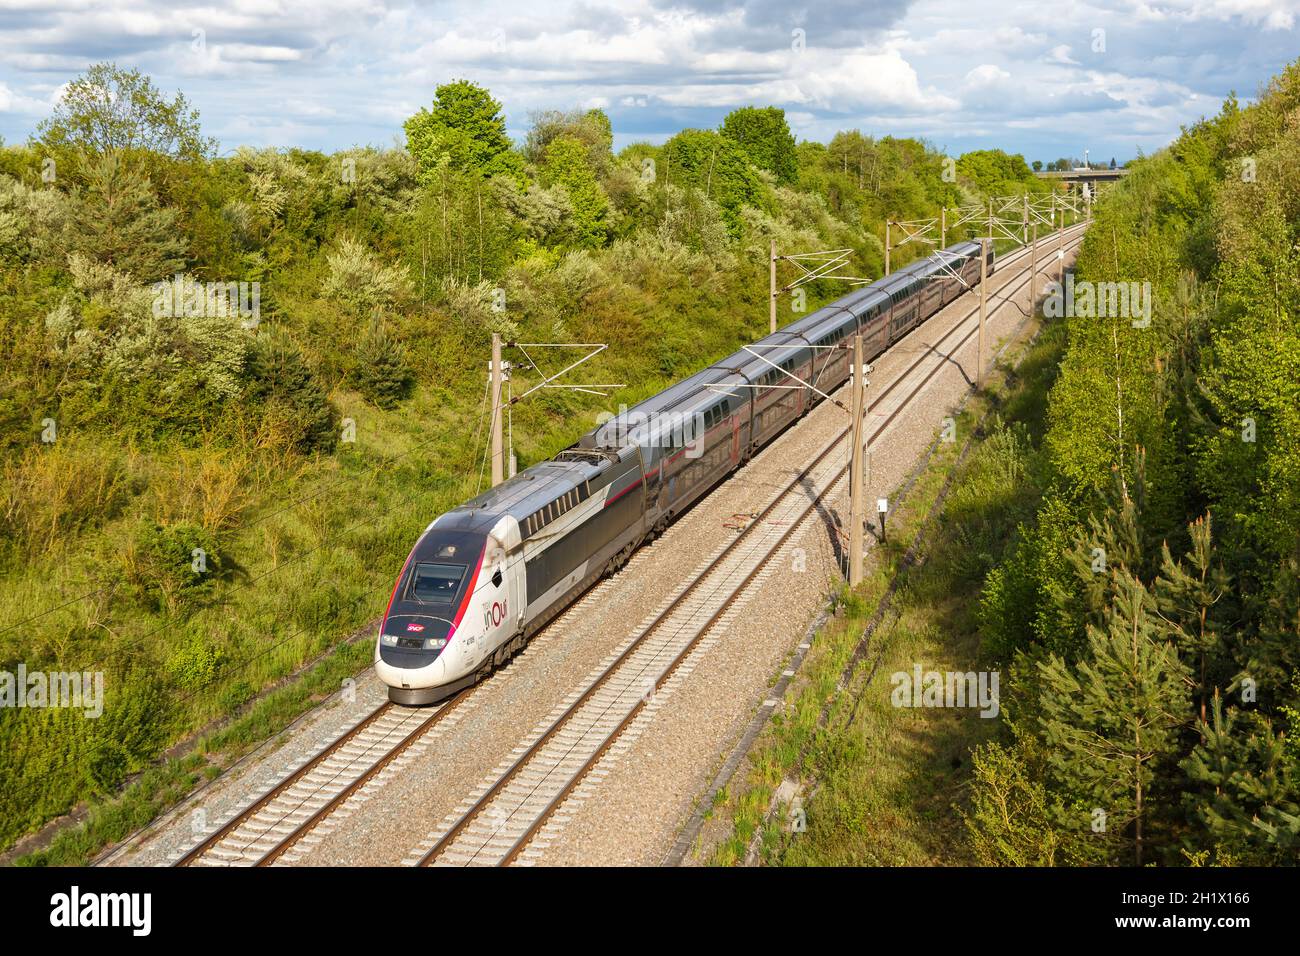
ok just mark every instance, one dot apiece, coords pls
pixel 117 220
pixel 1109 723
pixel 1116 541
pixel 1244 789
pixel 281 382
pixel 382 373
pixel 1187 598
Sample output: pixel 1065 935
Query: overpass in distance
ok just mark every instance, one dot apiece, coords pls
pixel 1090 176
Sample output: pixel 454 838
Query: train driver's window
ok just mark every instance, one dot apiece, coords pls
pixel 436 583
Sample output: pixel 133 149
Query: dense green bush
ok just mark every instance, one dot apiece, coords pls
pixel 280 381
pixel 173 565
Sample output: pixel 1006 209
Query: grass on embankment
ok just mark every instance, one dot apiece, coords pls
pixel 885 785
pixel 168 782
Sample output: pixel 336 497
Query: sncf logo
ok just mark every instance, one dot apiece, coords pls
pixel 494 615
pixel 415 627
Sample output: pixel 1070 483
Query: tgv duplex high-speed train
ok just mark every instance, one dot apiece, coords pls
pixel 486 576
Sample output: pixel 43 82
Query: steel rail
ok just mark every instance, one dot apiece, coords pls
pixel 239 819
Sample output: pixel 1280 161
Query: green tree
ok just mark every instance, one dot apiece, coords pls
pixel 1189 595
pixel 1109 723
pixel 171 565
pixel 590 127
pixel 716 166
pixel 359 281
pixel 383 375
pixel 286 390
pixel 1011 820
pixel 466 126
pixel 110 109
pixel 998 173
pixel 764 137
pixel 1244 789
pixel 116 220
pixel 567 166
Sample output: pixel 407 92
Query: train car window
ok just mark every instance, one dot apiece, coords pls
pixel 436 583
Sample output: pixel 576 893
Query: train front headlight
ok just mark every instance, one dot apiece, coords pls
pixel 435 643
pixel 388 640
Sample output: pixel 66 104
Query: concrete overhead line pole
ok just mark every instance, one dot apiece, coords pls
pixel 857 465
pixel 1033 265
pixel 498 462
pixel 888 223
pixel 771 298
pixel 1060 250
pixel 984 302
pixel 943 227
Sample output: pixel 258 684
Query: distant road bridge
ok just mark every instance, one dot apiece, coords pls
pixel 1090 176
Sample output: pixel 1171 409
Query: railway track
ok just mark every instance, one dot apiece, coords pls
pixel 273 824
pixel 500 820
pixel 505 814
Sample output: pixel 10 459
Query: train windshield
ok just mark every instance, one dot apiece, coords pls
pixel 436 583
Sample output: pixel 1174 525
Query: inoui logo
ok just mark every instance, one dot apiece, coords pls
pixel 75 908
pixel 494 615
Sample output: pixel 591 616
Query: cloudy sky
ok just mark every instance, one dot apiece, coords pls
pixel 1046 79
